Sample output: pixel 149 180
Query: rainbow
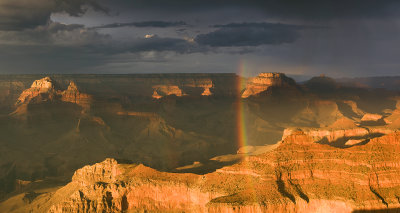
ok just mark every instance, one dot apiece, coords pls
pixel 240 111
pixel 242 129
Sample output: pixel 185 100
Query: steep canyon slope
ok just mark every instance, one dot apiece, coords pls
pixel 329 133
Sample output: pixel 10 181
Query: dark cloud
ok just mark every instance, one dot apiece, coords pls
pixel 249 34
pixel 309 9
pixel 163 44
pixel 361 35
pixel 91 41
pixel 264 25
pixel 77 7
pixel 22 14
pixel 54 33
pixel 160 24
pixel 90 57
pixel 155 43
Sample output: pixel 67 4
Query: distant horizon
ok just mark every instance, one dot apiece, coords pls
pixel 202 73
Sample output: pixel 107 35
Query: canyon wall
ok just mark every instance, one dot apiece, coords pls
pixel 300 175
pixel 326 139
pixel 263 81
pixel 46 89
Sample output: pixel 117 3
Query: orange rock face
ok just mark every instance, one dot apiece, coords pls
pixel 165 90
pixel 340 167
pixel 371 117
pixel 39 87
pixel 44 89
pixel 263 81
pixel 118 192
pixel 342 136
pixel 106 171
pixel 300 175
pixel 205 84
pixel 206 91
pixel 73 95
pixel 160 91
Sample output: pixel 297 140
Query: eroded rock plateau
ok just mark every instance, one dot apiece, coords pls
pixel 263 81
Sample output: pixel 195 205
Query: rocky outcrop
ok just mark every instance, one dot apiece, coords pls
pixel 106 171
pixel 166 90
pixel 300 175
pixel 205 86
pixel 112 187
pixel 45 90
pixel 73 95
pixel 207 91
pixel 337 137
pixel 187 87
pixel 371 117
pixel 263 81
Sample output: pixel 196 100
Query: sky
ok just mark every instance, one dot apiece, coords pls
pixel 338 38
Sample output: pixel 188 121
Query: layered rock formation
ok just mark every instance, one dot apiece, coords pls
pixel 207 91
pixel 206 85
pixel 73 95
pixel 340 137
pixel 326 149
pixel 166 90
pixel 371 117
pixel 39 88
pixel 45 89
pixel 263 81
pixel 299 175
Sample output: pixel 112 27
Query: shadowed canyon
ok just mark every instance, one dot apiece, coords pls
pixel 198 143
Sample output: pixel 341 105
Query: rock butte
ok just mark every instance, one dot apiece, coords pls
pixel 165 90
pixel 42 86
pixel 73 95
pixel 206 91
pixel 263 81
pixel 44 89
pixel 256 85
pixel 160 91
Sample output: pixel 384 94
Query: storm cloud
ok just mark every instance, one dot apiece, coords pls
pixel 54 33
pixel 22 14
pixel 249 34
pixel 160 24
pixel 328 36
pixel 310 9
